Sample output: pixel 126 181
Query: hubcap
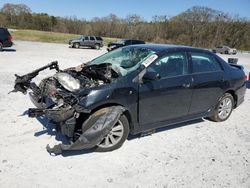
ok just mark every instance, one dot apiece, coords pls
pixel 113 137
pixel 225 108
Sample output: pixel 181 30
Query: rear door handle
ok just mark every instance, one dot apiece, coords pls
pixel 222 79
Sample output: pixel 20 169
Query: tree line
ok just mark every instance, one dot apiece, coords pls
pixel 197 26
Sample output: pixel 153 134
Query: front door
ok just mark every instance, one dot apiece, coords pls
pixel 168 97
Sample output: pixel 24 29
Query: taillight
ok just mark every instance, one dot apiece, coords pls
pixel 9 38
pixel 245 77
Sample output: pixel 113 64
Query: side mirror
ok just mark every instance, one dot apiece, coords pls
pixel 150 76
pixel 232 60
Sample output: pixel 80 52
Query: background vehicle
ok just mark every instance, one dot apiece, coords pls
pixel 224 50
pixel 123 42
pixel 87 41
pixel 135 89
pixel 5 38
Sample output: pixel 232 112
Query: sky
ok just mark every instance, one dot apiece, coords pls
pixel 146 8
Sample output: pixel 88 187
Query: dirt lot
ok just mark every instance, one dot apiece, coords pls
pixel 196 154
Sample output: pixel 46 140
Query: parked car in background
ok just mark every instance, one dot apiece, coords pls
pixel 132 90
pixel 224 50
pixel 5 39
pixel 87 41
pixel 123 42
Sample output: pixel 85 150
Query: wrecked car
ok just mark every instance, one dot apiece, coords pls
pixel 133 90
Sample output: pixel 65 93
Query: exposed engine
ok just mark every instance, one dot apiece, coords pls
pixel 59 92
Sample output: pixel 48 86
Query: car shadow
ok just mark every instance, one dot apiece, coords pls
pixel 9 50
pixel 50 129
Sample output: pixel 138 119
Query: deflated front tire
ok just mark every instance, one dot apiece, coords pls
pixel 117 135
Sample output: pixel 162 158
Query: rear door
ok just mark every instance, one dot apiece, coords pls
pixel 170 96
pixel 85 42
pixel 207 82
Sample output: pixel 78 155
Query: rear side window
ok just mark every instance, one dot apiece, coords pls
pixel 173 64
pixel 138 42
pixel 98 38
pixel 128 42
pixel 204 63
pixel 92 38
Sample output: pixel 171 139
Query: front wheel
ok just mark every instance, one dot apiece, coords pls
pixel 116 137
pixel 224 108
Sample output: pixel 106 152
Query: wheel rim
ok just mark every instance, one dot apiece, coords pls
pixel 113 137
pixel 225 108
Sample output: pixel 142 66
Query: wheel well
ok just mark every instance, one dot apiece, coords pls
pixel 234 96
pixel 126 112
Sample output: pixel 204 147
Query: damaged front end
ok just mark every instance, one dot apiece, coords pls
pixel 60 97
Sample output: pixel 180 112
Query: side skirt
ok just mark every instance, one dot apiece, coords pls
pixel 146 127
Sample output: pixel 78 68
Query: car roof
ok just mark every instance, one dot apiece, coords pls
pixel 163 47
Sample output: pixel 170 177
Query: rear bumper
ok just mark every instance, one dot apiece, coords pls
pixel 7 44
pixel 240 93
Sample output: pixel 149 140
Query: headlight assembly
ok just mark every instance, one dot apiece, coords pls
pixel 68 81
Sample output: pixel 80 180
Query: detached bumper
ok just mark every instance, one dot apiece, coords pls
pixel 94 135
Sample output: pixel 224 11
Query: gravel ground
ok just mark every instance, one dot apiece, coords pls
pixel 196 154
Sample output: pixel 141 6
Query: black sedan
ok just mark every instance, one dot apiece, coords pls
pixel 132 90
pixel 122 43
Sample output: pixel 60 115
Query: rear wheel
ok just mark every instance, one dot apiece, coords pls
pixel 76 45
pixel 97 46
pixel 224 108
pixel 1 47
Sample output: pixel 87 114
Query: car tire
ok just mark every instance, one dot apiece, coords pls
pixel 1 47
pixel 223 109
pixel 97 46
pixel 123 128
pixel 76 45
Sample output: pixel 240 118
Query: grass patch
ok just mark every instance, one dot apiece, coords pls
pixel 51 37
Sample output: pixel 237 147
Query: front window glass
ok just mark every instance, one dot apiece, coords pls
pixel 173 64
pixel 124 60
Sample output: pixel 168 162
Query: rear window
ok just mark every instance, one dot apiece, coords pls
pixel 98 38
